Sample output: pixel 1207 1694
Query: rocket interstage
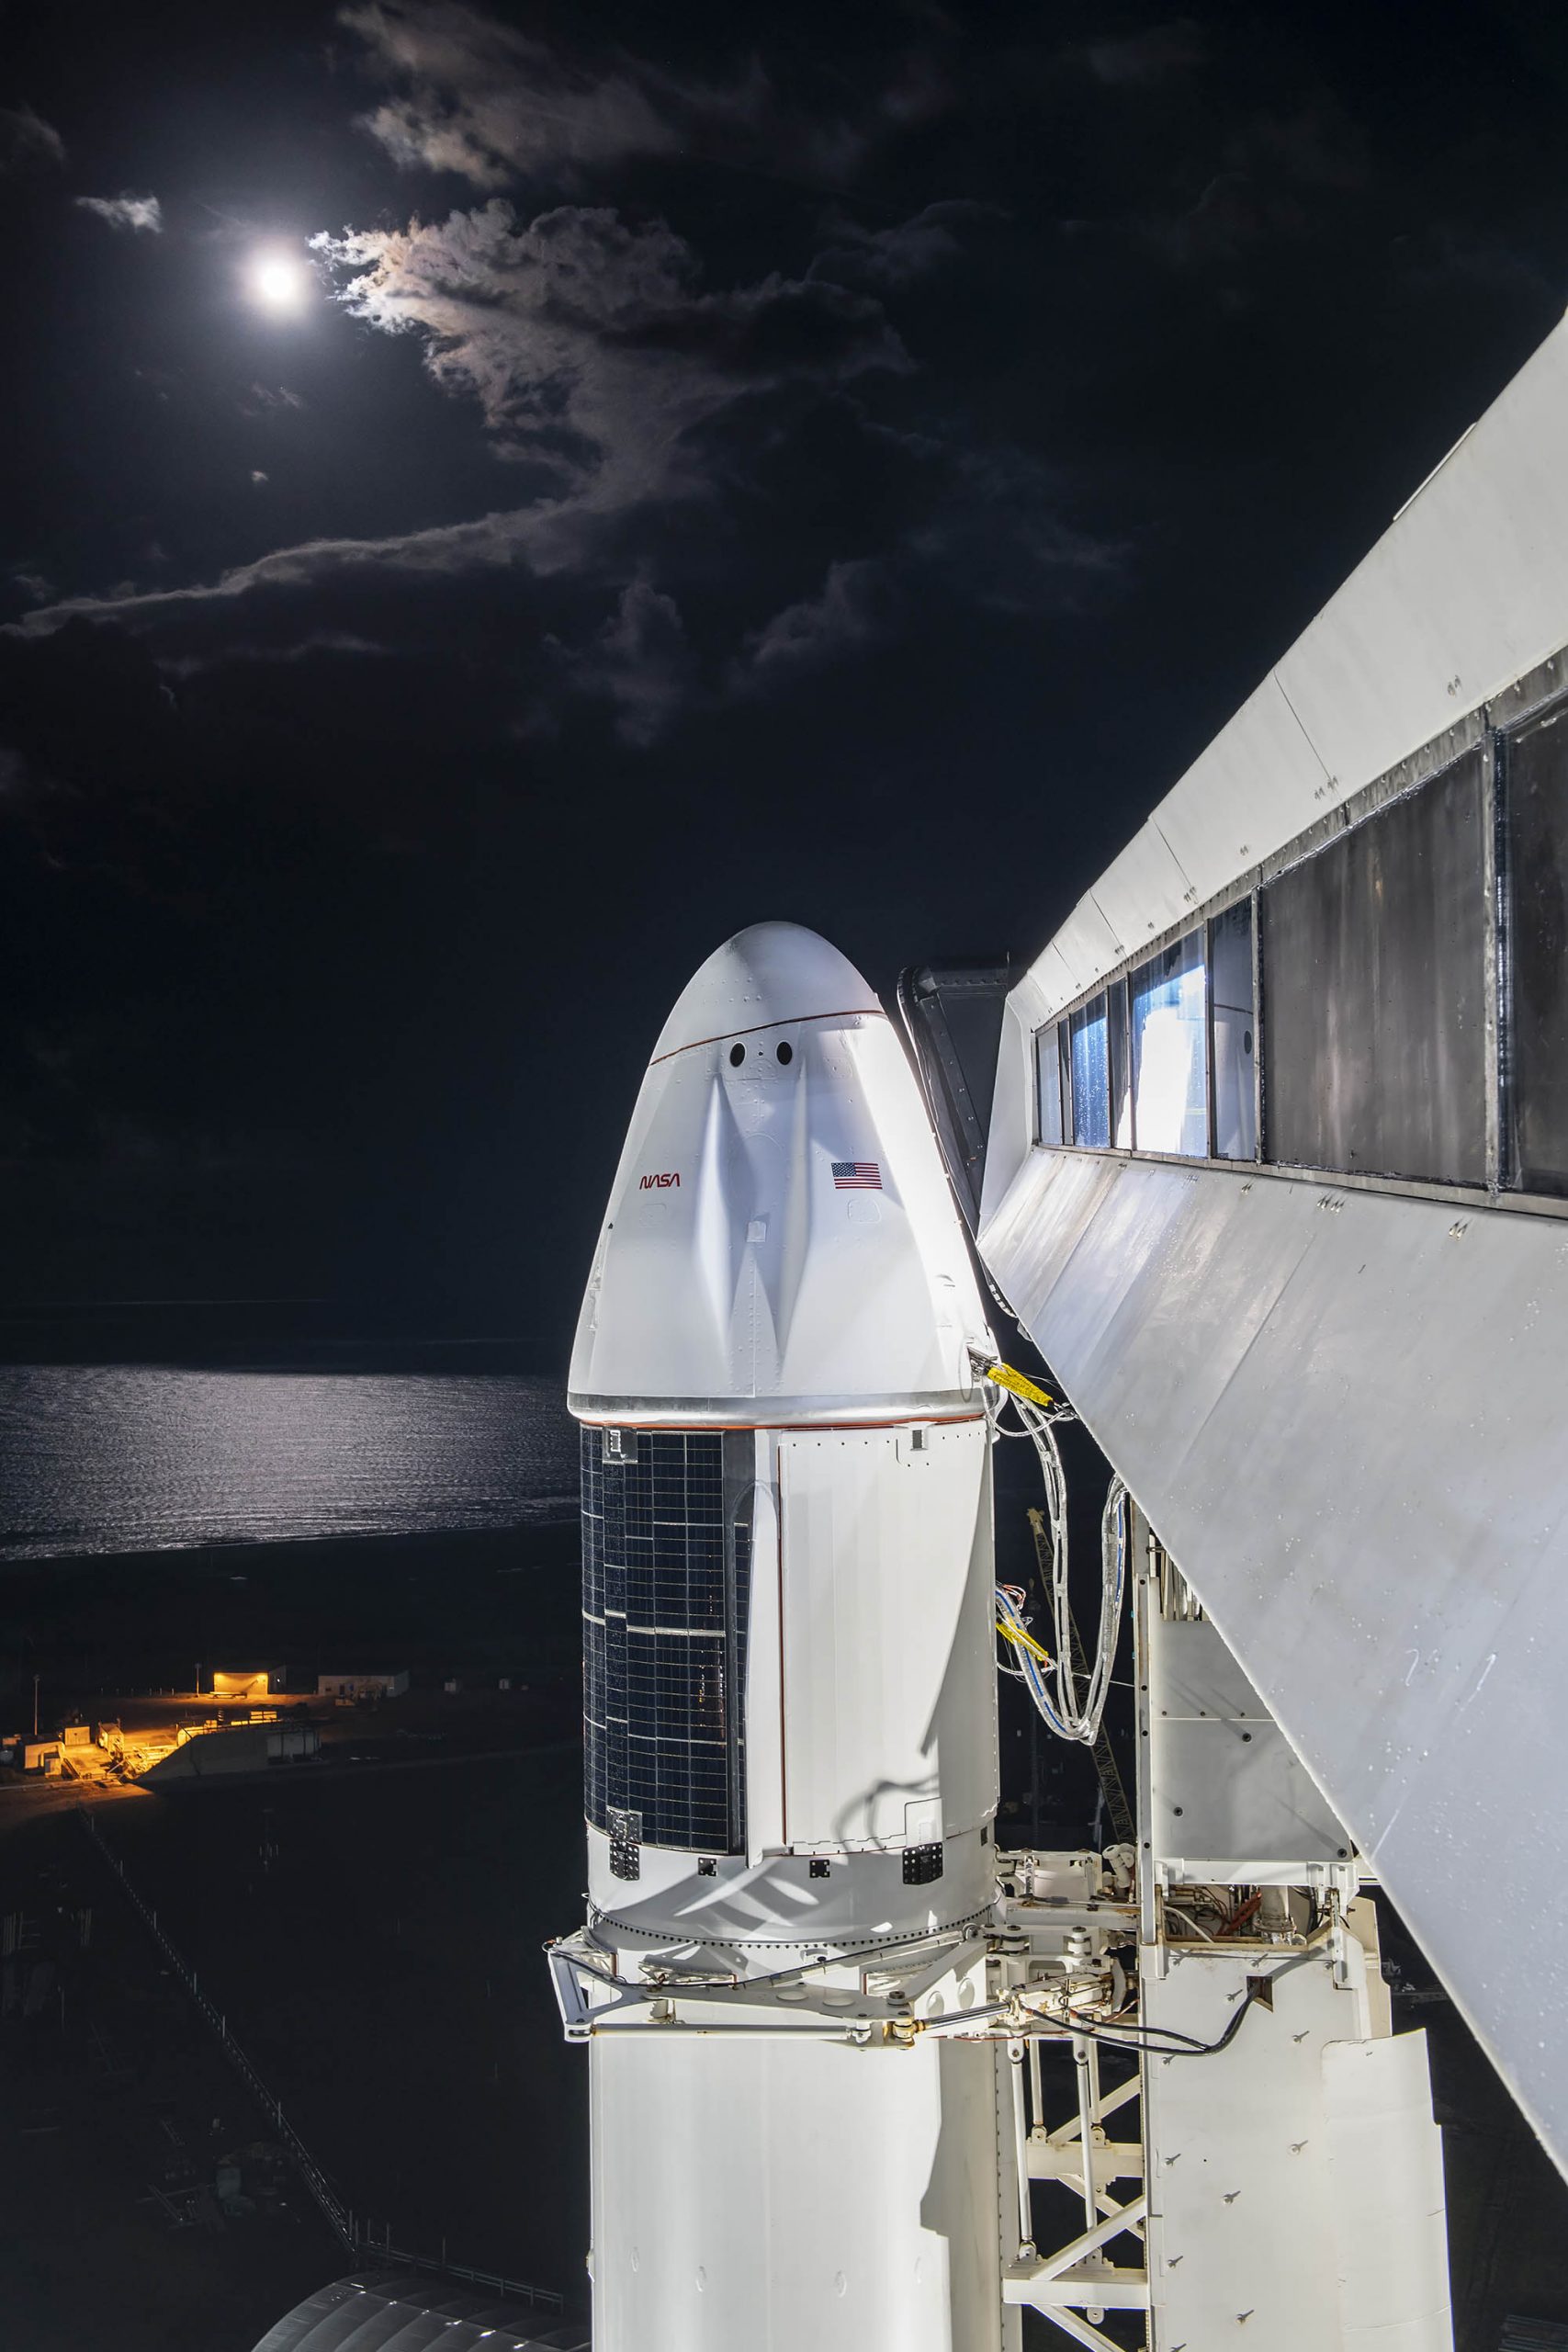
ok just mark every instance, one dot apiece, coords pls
pixel 789 1695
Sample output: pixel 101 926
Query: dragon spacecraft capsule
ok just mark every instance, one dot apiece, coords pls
pixel 790 1698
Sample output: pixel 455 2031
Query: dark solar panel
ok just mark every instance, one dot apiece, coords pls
pixel 665 1573
pixel 1374 959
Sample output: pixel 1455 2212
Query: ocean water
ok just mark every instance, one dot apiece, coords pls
pixel 141 1458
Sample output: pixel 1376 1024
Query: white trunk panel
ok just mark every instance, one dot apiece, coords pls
pixel 888 1707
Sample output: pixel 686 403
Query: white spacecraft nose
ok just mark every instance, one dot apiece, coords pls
pixel 771 973
pixel 780 1226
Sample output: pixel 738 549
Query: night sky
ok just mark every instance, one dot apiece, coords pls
pixel 495 502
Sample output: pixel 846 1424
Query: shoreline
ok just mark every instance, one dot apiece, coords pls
pixel 281 1544
pixel 473 1605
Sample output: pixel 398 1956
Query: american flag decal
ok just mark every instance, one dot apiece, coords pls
pixel 856 1176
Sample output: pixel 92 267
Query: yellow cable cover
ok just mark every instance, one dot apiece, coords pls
pixel 1005 1377
pixel 1017 1633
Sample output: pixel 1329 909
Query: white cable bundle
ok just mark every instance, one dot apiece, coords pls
pixel 1071 1714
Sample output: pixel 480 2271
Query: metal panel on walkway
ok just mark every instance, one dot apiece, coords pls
pixel 1342 1411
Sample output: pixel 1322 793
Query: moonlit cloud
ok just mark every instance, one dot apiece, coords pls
pixel 124 212
pixel 645 414
pixel 624 393
pixel 26 140
pixel 589 344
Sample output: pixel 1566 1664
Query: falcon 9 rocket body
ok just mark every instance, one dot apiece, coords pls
pixel 790 1703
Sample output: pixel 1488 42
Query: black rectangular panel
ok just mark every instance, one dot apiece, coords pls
pixel 665 1591
pixel 1374 1057
pixel 1537 798
pixel 922 1865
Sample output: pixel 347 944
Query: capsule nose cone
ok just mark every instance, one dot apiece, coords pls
pixel 772 972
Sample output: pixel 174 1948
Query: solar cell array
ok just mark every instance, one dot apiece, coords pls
pixel 664 1602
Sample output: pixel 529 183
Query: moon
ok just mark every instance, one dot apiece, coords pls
pixel 278 282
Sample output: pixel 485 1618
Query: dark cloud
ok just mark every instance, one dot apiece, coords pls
pixel 481 99
pixel 1315 144
pixel 263 399
pixel 26 140
pixel 1282 176
pixel 992 537
pixel 493 542
pixel 853 605
pixel 124 211
pixel 895 257
pixel 36 586
pixel 296 649
pixel 639 661
pixel 1000 537
pixel 1137 60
